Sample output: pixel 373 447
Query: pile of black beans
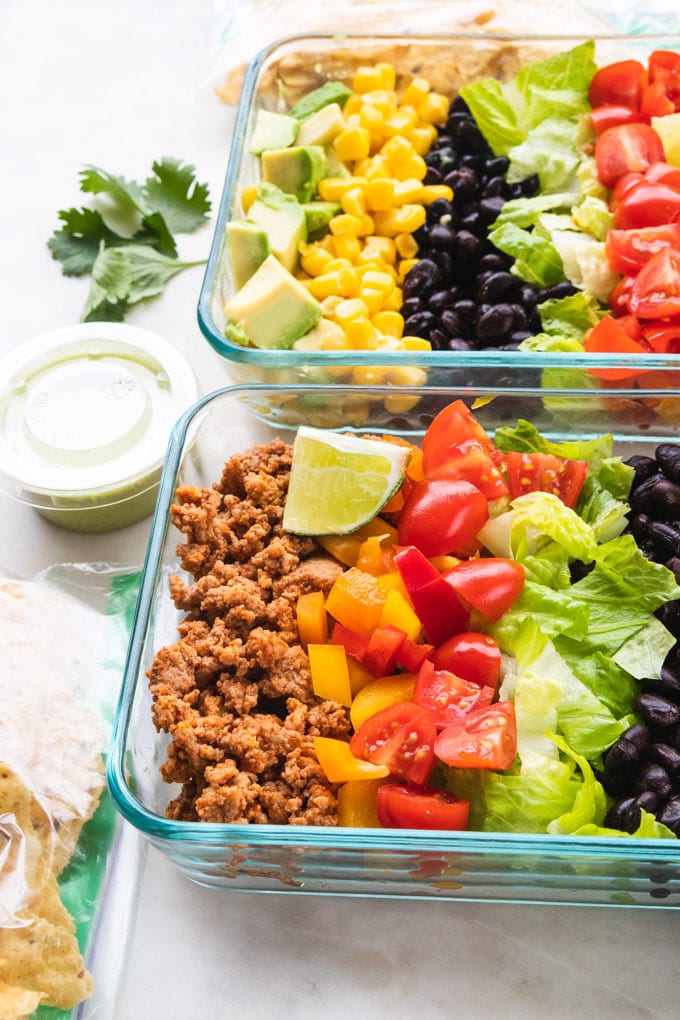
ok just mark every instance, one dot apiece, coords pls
pixel 461 295
pixel 642 769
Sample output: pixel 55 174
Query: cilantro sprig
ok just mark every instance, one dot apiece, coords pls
pixel 129 247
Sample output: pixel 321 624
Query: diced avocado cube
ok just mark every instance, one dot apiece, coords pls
pixel 283 219
pixel 329 92
pixel 272 131
pixel 322 127
pixel 318 215
pixel 334 165
pixel 296 170
pixel 272 309
pixel 248 247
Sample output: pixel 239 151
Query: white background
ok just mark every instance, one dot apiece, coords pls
pixel 119 83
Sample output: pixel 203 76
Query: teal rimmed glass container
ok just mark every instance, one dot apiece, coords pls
pixel 368 862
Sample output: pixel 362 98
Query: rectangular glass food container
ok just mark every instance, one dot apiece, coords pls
pixel 275 80
pixel 366 862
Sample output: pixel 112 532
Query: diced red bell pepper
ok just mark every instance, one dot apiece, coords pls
pixel 440 614
pixel 412 655
pixel 356 645
pixel 383 648
pixel 415 568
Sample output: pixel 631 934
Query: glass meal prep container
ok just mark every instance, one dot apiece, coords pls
pixel 275 80
pixel 352 861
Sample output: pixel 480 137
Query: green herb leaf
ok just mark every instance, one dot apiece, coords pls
pixel 129 199
pixel 124 275
pixel 175 192
pixel 76 245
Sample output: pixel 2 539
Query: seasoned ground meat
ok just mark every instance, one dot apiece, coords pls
pixel 235 691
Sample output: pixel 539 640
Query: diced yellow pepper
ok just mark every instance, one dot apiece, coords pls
pixel 371 556
pixel 444 562
pixel 357 804
pixel 383 692
pixel 330 677
pixel 393 581
pixel 340 765
pixel 352 144
pixel 355 600
pixel 398 612
pixel 312 620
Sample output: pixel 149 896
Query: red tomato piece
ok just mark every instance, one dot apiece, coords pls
pixel 470 461
pixel 485 738
pixel 655 102
pixel 490 585
pixel 663 173
pixel 401 737
pixel 664 66
pixel 545 472
pixel 609 338
pixel 663 336
pixel 620 296
pixel 383 648
pixel 446 695
pixel 628 148
pixel 630 324
pixel 453 426
pixel 607 116
pixel 442 515
pixel 420 807
pixel 412 655
pixel 620 83
pixel 622 186
pixel 656 291
pixel 472 656
pixel 628 250
pixel 647 204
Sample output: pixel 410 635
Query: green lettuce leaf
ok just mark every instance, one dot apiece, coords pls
pixel 590 802
pixel 570 317
pixel 525 438
pixel 536 258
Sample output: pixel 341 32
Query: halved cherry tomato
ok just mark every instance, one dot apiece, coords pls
pixel 628 250
pixel 619 296
pixel 647 204
pixel 545 472
pixel 630 324
pixel 446 695
pixel 655 102
pixel 663 336
pixel 449 429
pixel 656 291
pixel 490 585
pixel 402 738
pixel 485 738
pixel 628 148
pixel 609 115
pixel 472 656
pixel 622 186
pixel 619 83
pixel 609 338
pixel 442 515
pixel 420 807
pixel 664 66
pixel 471 461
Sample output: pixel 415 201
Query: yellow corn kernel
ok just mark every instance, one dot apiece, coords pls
pixel 405 220
pixel 388 75
pixel 406 247
pixel 379 281
pixel 347 247
pixel 415 343
pixel 335 264
pixel 396 151
pixel 378 248
pixel 345 224
pixel 415 91
pixel 348 282
pixel 248 195
pixel 379 193
pixel 353 105
pixel 331 189
pixel 354 119
pixel 365 375
pixel 352 144
pixel 406 375
pixel 431 192
pixel 394 300
pixel 366 79
pixel 329 304
pixel 366 226
pixel 383 100
pixel 400 122
pixel 422 137
pixel 414 166
pixel 373 298
pixel 389 323
pixel 361 334
pixel 434 108
pixel 314 260
pixel 371 118
pixel 325 285
pixel 405 266
pixel 400 403
pixel 350 309
pixel 376 167
pixel 353 202
pixel 408 191
pixel 388 343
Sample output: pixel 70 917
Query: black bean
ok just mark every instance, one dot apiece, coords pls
pixel 520 319
pixel 438 339
pixel 458 105
pixel 412 305
pixel 495 322
pixel 419 324
pixel 674 566
pixel 672 737
pixel 640 496
pixel 446 262
pixel 637 734
pixel 459 344
pixel 666 537
pixel 669 680
pixel 670 814
pixel 655 778
pixel 495 261
pixel 468 245
pixel 472 222
pixel 639 526
pixel 432 176
pixel 666 756
pixel 494 187
pixel 442 236
pixel 440 299
pixel 644 467
pixel 657 710
pixel 669 614
pixel 466 308
pixel 471 138
pixel 557 290
pixel 498 286
pixel 464 182
pixel 452 322
pixel 528 295
pixel 518 336
pixel 648 801
pixel 621 756
pixel 668 456
pixel 440 207
pixel 666 495
pixel 498 166
pixel 489 208
pixel 530 185
pixel 624 815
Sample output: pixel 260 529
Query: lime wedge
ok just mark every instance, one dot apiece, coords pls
pixel 339 482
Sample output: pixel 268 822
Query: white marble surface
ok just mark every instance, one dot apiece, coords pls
pixel 119 83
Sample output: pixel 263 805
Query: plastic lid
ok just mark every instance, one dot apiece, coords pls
pixel 89 408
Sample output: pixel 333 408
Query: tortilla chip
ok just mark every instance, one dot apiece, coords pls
pixel 16 1003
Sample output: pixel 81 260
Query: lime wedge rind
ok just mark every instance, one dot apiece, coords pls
pixel 340 481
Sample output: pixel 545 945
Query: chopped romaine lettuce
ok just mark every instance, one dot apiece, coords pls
pixel 536 258
pixel 571 316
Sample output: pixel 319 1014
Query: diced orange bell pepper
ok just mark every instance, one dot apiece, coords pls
pixel 345 548
pixel 312 620
pixel 355 600
pixel 359 677
pixel 340 765
pixel 330 676
pixel 383 649
pixel 372 556
pixel 386 691
pixel 357 804
pixel 393 580
pixel 398 612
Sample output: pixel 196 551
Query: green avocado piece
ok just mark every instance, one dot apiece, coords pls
pixel 283 219
pixel 248 246
pixel 272 309
pixel 272 131
pixel 296 170
pixel 329 92
pixel 334 165
pixel 322 127
pixel 318 215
